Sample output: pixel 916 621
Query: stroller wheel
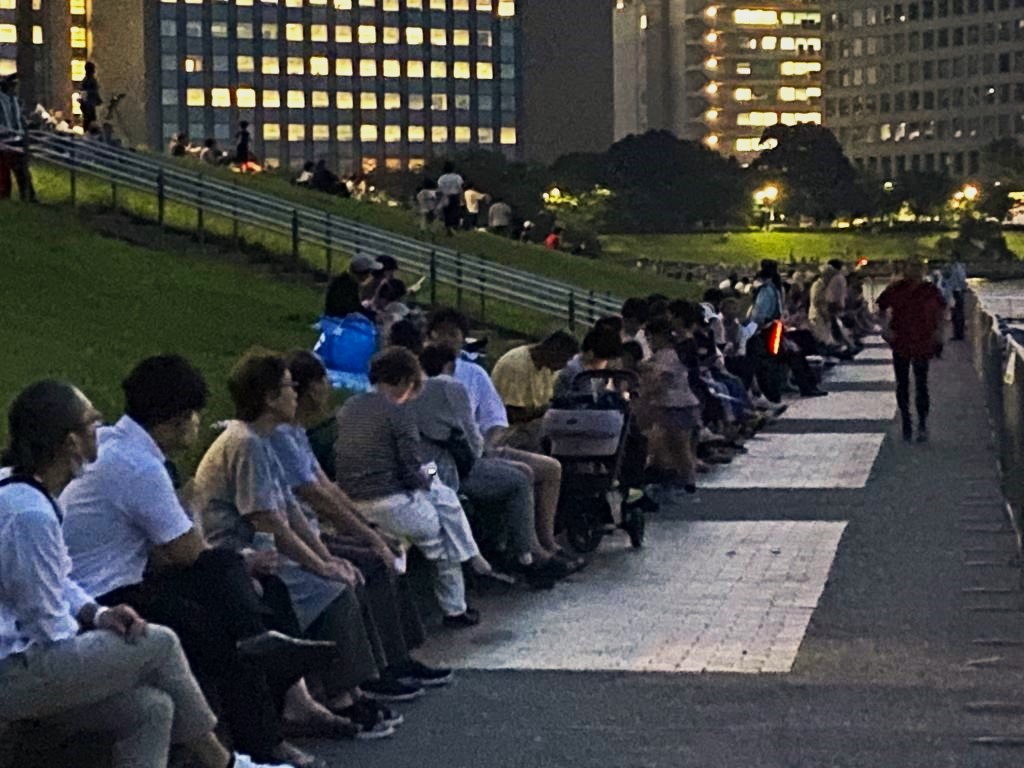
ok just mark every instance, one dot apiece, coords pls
pixel 584 531
pixel 635 526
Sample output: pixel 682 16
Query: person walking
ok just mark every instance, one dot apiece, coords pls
pixel 89 99
pixel 913 311
pixel 956 282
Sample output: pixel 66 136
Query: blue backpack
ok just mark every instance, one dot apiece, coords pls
pixel 346 346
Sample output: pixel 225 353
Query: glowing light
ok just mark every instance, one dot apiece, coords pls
pixel 711 140
pixel 711 37
pixel 711 88
pixel 775 338
pixel 711 114
pixel 971 192
pixel 767 195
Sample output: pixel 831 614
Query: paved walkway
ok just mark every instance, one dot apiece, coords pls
pixel 834 598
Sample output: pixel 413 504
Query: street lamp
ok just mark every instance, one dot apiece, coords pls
pixel 765 198
pixel 971 193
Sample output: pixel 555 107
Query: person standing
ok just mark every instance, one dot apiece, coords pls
pixel 957 283
pixel 475 200
pixel 13 143
pixel 243 154
pixel 913 310
pixel 89 98
pixel 450 187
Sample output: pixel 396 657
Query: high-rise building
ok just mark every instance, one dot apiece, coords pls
pixel 365 83
pixel 718 72
pixel 923 85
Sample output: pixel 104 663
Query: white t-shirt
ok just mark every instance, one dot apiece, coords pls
pixel 488 408
pixel 473 199
pixel 122 505
pixel 450 184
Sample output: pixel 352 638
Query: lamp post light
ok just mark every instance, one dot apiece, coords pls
pixel 765 198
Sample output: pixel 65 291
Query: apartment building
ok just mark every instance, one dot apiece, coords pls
pixel 923 86
pixel 717 72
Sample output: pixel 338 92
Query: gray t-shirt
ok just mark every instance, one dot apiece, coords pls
pixel 239 475
pixel 442 408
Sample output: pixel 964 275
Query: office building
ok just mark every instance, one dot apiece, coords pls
pixel 717 72
pixel 923 86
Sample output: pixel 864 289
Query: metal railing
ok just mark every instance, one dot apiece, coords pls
pixel 470 276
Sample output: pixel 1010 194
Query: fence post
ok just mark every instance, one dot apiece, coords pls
pixel 572 311
pixel 433 278
pixel 482 283
pixel 200 212
pixel 329 253
pixel 295 238
pixel 161 197
pixel 458 280
pixel 73 178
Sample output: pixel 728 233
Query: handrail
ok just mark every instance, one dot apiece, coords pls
pixel 313 226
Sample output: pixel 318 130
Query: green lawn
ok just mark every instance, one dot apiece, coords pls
pixel 748 248
pixel 84 308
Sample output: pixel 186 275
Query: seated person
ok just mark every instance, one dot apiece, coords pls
pixel 244 505
pixel 525 379
pixel 305 175
pixel 599 351
pixel 378 465
pixel 349 336
pixel 493 478
pixel 124 507
pixel 66 662
pixel 387 596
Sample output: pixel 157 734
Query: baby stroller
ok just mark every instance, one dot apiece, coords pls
pixel 591 433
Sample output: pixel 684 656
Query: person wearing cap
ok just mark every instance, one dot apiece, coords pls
pixel 13 143
pixel 362 268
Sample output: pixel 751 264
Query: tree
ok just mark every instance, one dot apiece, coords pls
pixel 1003 160
pixel 819 180
pixel 926 192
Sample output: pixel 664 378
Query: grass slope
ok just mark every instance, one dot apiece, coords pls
pixel 748 248
pixel 77 306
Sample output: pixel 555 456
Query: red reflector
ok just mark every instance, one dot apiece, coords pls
pixel 775 338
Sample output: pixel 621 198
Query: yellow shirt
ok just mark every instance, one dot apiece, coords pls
pixel 520 383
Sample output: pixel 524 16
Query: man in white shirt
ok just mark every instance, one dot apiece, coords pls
pixel 474 200
pixel 124 506
pixel 64 660
pixel 449 187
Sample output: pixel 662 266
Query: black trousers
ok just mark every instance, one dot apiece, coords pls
pixel 210 606
pixel 958 315
pixel 902 366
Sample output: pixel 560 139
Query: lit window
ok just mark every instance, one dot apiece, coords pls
pixel 320 99
pixel 296 65
pixel 271 132
pixel 743 94
pixel 220 97
pixel 367 34
pixel 193 63
pixel 296 99
pixel 367 67
pixel 743 68
pixel 293 32
pixel 769 43
pixel 463 134
pixel 244 31
pixel 414 5
pixel 460 5
pixel 392 134
pixel 77 69
pixel 389 5
pixel 319 65
pixel 391 36
pixel 414 35
pixel 343 33
pixel 438 5
pixel 485 135
pixel 343 5
pixel 218 29
pixel 461 70
pixel 416 102
pixel 756 17
pixel 270 65
pixel 367 100
pixel 758 119
pixel 391 68
pixel 321 132
pixel 438 37
pixel 368 132
pixel 37 35
pixel 272 99
pixel 506 8
pixel 245 64
pixel 794 118
pixel 344 133
pixel 79 37
pixel 318 33
pixel 439 134
pixel 460 37
pixel 296 132
pixel 484 5
pixel 508 135
pixel 367 3
pixel 392 101
pixel 797 68
pixel 245 98
pixel 417 133
pixel 195 97
pixel 438 69
pixel 343 67
pixel 484 70
pixel 414 69
pixel 439 102
pixel 269 31
pixel 344 100
pixel 77 6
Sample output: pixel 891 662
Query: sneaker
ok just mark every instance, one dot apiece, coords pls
pixel 430 677
pixel 392 689
pixel 368 717
pixel 244 761
pixel 378 731
pixel 367 710
pixel 470 618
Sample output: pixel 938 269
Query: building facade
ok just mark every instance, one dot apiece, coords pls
pixel 923 86
pixel 717 72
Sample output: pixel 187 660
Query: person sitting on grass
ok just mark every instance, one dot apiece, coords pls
pixel 387 595
pixel 131 542
pixel 68 663
pixel 244 505
pixel 378 464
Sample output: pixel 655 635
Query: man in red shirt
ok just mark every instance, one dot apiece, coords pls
pixel 914 309
pixel 553 242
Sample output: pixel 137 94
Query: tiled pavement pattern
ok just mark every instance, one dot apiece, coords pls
pixel 916 646
pixel 703 597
